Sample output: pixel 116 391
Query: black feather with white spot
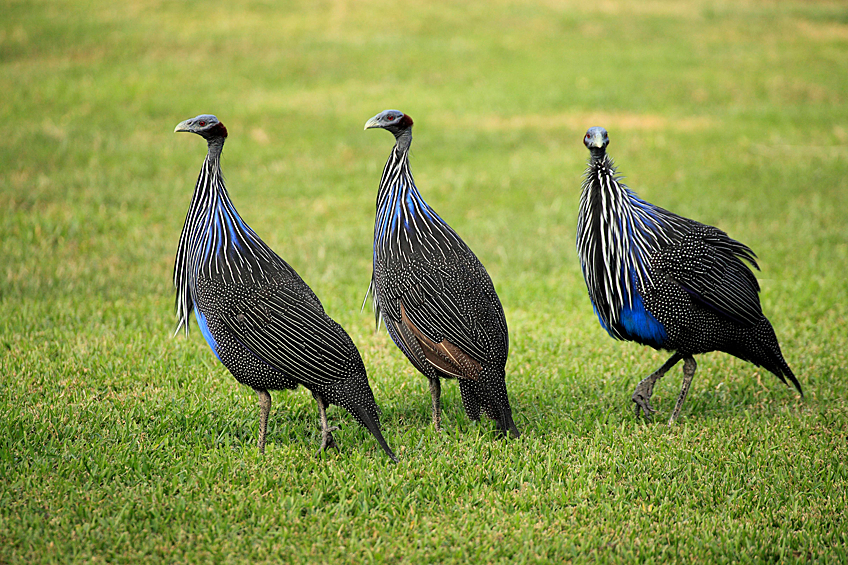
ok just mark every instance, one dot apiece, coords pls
pixel 666 281
pixel 438 301
pixel 259 317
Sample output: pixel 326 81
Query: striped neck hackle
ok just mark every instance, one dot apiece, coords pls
pixel 617 233
pixel 215 242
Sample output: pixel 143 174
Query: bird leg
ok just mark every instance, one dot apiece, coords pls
pixel 645 388
pixel 264 409
pixel 436 393
pixel 327 440
pixel 689 367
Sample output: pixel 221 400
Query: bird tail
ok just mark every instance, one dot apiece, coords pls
pixel 355 395
pixel 372 423
pixel 770 355
pixel 506 425
pixel 496 405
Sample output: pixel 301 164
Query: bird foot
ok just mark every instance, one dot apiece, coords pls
pixel 328 441
pixel 642 397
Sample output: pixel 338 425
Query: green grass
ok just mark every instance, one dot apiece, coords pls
pixel 122 444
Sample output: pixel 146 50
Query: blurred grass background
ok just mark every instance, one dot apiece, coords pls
pixel 121 444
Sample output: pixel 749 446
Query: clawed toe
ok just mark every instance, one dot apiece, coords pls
pixel 643 404
pixel 645 388
pixel 642 397
pixel 328 441
pixel 327 444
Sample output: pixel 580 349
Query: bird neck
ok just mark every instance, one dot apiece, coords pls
pixel 215 242
pixel 214 228
pixel 403 139
pixel 396 183
pixel 210 190
pixel 210 184
pixel 215 145
pixel 617 232
pixel 400 206
pixel 605 197
pixel 607 201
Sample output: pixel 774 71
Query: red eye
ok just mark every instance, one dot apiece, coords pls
pixel 390 118
pixel 202 124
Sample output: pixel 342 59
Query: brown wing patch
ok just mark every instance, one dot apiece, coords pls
pixel 444 356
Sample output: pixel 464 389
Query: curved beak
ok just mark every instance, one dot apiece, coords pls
pixel 183 126
pixel 373 122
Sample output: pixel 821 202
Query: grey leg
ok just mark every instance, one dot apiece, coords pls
pixel 264 409
pixel 436 393
pixel 327 440
pixel 645 388
pixel 689 367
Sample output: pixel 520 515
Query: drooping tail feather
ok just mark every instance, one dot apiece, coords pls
pixel 355 395
pixel 496 405
pixel 771 357
pixel 373 426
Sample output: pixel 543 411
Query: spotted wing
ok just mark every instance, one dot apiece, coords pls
pixel 449 315
pixel 284 329
pixel 709 265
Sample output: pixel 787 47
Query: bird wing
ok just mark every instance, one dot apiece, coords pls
pixel 444 356
pixel 708 264
pixel 284 329
pixel 447 317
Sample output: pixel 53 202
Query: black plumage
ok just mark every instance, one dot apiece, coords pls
pixel 436 298
pixel 666 281
pixel 260 319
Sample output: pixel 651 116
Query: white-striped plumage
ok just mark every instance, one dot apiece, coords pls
pixel 437 299
pixel 617 234
pixel 261 320
pixel 630 248
pixel 666 281
pixel 209 247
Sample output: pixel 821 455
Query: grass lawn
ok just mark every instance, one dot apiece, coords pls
pixel 123 444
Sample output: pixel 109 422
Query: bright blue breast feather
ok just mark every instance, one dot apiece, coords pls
pixel 618 233
pixel 640 325
pixel 634 321
pixel 207 335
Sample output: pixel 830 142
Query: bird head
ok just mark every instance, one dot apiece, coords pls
pixel 393 120
pixel 204 125
pixel 596 140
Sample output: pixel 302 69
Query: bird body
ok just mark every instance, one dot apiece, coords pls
pixel 261 320
pixel 438 302
pixel 666 281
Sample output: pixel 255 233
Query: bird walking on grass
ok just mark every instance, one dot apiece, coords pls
pixel 436 298
pixel 261 320
pixel 666 281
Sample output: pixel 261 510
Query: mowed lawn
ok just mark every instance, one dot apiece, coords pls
pixel 120 443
